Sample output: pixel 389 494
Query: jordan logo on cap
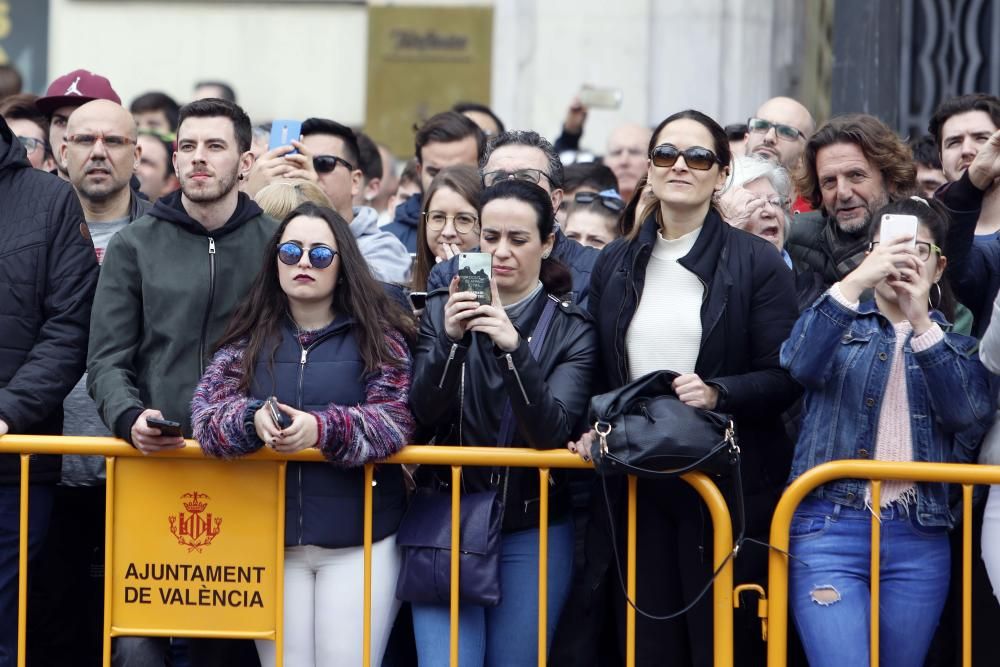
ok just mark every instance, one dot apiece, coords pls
pixel 73 90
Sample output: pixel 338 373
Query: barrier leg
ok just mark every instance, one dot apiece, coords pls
pixel 967 575
pixel 876 567
pixel 279 584
pixel 22 569
pixel 543 561
pixel 456 489
pixel 630 575
pixel 109 523
pixel 367 637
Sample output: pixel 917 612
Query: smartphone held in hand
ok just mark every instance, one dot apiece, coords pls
pixel 898 227
pixel 280 419
pixel 474 272
pixel 595 97
pixel 283 133
pixel 168 428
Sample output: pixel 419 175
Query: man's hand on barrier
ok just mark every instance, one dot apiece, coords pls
pixel 3 427
pixel 302 434
pixel 985 168
pixel 148 440
pixel 582 447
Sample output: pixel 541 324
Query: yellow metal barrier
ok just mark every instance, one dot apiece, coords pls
pixel 453 457
pixel 965 474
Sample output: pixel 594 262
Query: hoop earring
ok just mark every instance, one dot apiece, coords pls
pixel 930 298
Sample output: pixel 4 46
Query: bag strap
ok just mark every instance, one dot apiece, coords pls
pixel 538 335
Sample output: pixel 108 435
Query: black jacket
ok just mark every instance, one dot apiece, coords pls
pixel 548 396
pixel 817 242
pixel 578 258
pixel 747 313
pixel 48 273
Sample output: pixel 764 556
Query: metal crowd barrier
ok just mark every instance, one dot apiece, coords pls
pixel 877 471
pixel 453 457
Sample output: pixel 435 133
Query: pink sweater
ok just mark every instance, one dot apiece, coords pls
pixel 894 441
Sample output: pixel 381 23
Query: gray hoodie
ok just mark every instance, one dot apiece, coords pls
pixel 387 256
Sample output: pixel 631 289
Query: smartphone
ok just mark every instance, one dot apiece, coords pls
pixel 898 227
pixel 418 300
pixel 474 272
pixel 280 419
pixel 283 133
pixel 167 427
pixel 595 97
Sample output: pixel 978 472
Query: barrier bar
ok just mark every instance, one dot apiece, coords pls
pixel 456 509
pixel 876 569
pixel 366 655
pixel 966 474
pixel 22 565
pixel 967 575
pixel 543 560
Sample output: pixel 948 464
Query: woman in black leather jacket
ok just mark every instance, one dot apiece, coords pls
pixel 471 360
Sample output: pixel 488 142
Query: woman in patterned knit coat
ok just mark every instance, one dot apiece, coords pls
pixel 320 334
pixel 883 381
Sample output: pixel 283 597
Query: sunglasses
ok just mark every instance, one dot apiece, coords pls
pixel 320 256
pixel 324 164
pixel 611 203
pixel 530 175
pixel 696 157
pixel 786 132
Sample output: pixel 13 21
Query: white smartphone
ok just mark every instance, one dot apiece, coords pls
pixel 594 97
pixel 898 227
pixel 474 272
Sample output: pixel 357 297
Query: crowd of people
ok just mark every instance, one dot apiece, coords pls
pixel 168 261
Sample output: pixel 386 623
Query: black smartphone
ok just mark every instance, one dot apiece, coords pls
pixel 280 419
pixel 168 428
pixel 418 300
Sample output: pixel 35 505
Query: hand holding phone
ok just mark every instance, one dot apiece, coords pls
pixel 475 269
pixel 895 227
pixel 167 427
pixel 278 416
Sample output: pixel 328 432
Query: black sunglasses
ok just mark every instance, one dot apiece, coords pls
pixel 696 157
pixel 320 256
pixel 612 203
pixel 324 164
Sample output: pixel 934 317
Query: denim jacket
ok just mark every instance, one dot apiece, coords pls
pixel 842 357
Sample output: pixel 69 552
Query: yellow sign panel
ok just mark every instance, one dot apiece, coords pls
pixel 195 546
pixel 421 60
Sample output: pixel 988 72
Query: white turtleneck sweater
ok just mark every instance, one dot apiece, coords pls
pixel 665 333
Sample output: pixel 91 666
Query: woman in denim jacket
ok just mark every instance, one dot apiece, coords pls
pixel 883 381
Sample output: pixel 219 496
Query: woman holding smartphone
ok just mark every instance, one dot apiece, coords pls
pixel 449 223
pixel 528 352
pixel 319 334
pixel 883 381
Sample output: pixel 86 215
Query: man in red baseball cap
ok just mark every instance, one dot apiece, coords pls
pixel 64 95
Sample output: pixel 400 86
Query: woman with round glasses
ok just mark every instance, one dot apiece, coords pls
pixel 883 381
pixel 317 356
pixel 449 222
pixel 686 292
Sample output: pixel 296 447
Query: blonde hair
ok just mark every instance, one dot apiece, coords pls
pixel 280 198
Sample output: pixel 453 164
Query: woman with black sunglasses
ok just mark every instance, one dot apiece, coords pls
pixel 317 356
pixel 686 292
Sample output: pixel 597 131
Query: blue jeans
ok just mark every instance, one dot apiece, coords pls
pixel 506 634
pixel 40 498
pixel 829 584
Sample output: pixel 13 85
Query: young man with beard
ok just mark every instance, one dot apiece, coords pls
pixel 169 284
pixel 852 166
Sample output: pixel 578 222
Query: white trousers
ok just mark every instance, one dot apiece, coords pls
pixel 324 604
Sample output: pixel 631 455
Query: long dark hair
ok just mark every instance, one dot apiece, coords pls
pixel 466 182
pixel 720 147
pixel 555 277
pixel 258 319
pixel 935 217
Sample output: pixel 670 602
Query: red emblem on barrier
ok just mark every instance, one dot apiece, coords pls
pixel 194 529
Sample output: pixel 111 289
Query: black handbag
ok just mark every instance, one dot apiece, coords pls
pixel 425 537
pixel 424 534
pixel 644 429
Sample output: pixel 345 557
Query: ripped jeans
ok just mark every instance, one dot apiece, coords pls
pixel 829 584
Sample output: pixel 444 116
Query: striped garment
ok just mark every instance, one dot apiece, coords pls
pixel 349 436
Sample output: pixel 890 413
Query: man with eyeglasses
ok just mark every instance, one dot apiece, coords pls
pixel 63 96
pixel 447 139
pixel 47 278
pixel 527 156
pixel 169 285
pixel 336 163
pixel 31 127
pixel 779 130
